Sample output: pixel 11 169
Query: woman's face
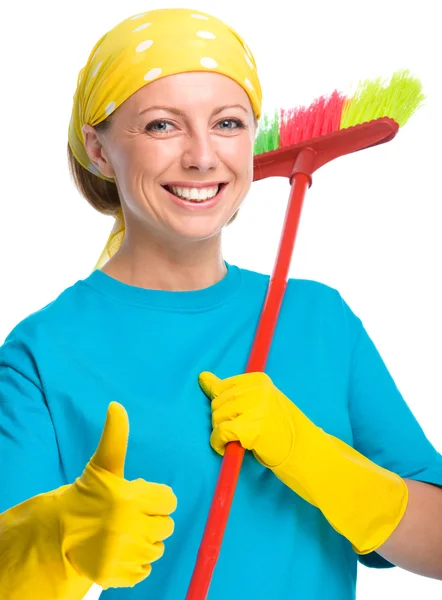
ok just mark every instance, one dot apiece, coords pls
pixel 181 152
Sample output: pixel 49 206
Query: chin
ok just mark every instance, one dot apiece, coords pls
pixel 197 229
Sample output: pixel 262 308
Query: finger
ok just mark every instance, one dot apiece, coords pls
pixel 155 552
pixel 209 383
pixel 112 448
pixel 145 571
pixel 156 529
pixel 232 431
pixel 129 575
pixel 213 386
pixel 146 552
pixel 232 407
pixel 156 499
pixel 142 553
pixel 235 393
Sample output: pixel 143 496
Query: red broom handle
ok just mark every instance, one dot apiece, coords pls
pixel 234 453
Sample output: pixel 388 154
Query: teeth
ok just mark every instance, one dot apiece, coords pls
pixel 198 195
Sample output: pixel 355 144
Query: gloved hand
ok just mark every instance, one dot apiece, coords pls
pixel 360 500
pixel 101 528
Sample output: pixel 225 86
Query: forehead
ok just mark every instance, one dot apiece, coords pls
pixel 188 90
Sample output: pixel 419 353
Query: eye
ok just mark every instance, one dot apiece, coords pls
pixel 159 126
pixel 237 124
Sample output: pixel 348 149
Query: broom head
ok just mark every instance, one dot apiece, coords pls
pixel 334 125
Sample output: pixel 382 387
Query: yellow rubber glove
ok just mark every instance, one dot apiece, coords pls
pixel 360 500
pixel 102 528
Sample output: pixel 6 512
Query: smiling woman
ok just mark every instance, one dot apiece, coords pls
pixel 179 134
pixel 161 136
pixel 193 124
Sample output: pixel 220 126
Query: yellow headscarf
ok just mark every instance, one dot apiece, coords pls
pixel 144 48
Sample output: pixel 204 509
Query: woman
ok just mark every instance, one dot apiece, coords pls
pixel 162 131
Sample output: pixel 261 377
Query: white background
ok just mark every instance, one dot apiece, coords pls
pixel 371 224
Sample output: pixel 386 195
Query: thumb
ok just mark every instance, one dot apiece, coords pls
pixel 111 451
pixel 209 382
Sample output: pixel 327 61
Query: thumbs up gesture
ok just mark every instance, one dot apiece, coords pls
pixel 113 529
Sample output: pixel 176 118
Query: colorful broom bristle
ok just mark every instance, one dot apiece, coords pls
pixel 294 125
pixel 305 123
pixel 398 99
pixel 268 134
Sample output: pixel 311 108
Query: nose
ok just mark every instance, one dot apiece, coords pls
pixel 200 153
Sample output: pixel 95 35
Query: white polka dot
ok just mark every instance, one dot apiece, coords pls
pixel 248 83
pixel 249 62
pixel 200 17
pixel 144 45
pixel 93 169
pixel 206 35
pixel 209 63
pixel 152 74
pixel 110 108
pixel 96 69
pixel 140 27
pixel 138 16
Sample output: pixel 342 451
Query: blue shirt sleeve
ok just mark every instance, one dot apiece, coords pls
pixel 384 428
pixel 29 457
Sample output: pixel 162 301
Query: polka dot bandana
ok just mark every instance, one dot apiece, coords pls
pixel 149 46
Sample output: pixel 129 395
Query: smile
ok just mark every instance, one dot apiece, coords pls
pixel 196 199
pixel 194 194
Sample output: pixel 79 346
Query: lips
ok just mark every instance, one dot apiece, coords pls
pixel 196 205
pixel 173 188
pixel 194 194
pixel 193 184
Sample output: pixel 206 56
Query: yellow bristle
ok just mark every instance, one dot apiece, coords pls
pixel 398 99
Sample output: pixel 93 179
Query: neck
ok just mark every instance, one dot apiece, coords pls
pixel 191 266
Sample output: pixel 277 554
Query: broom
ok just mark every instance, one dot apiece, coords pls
pixel 294 143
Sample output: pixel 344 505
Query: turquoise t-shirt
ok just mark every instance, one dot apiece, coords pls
pixel 102 340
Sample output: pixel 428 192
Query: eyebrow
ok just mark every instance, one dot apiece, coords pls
pixel 182 113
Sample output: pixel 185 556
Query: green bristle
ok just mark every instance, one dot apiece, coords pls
pixel 398 99
pixel 267 137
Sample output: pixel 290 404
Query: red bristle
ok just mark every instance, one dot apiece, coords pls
pixel 304 123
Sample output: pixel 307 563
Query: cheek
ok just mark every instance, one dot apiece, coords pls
pixel 137 163
pixel 239 158
pixel 246 161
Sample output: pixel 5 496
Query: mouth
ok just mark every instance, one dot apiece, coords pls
pixel 195 195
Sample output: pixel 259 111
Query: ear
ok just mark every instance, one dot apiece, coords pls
pixel 96 151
